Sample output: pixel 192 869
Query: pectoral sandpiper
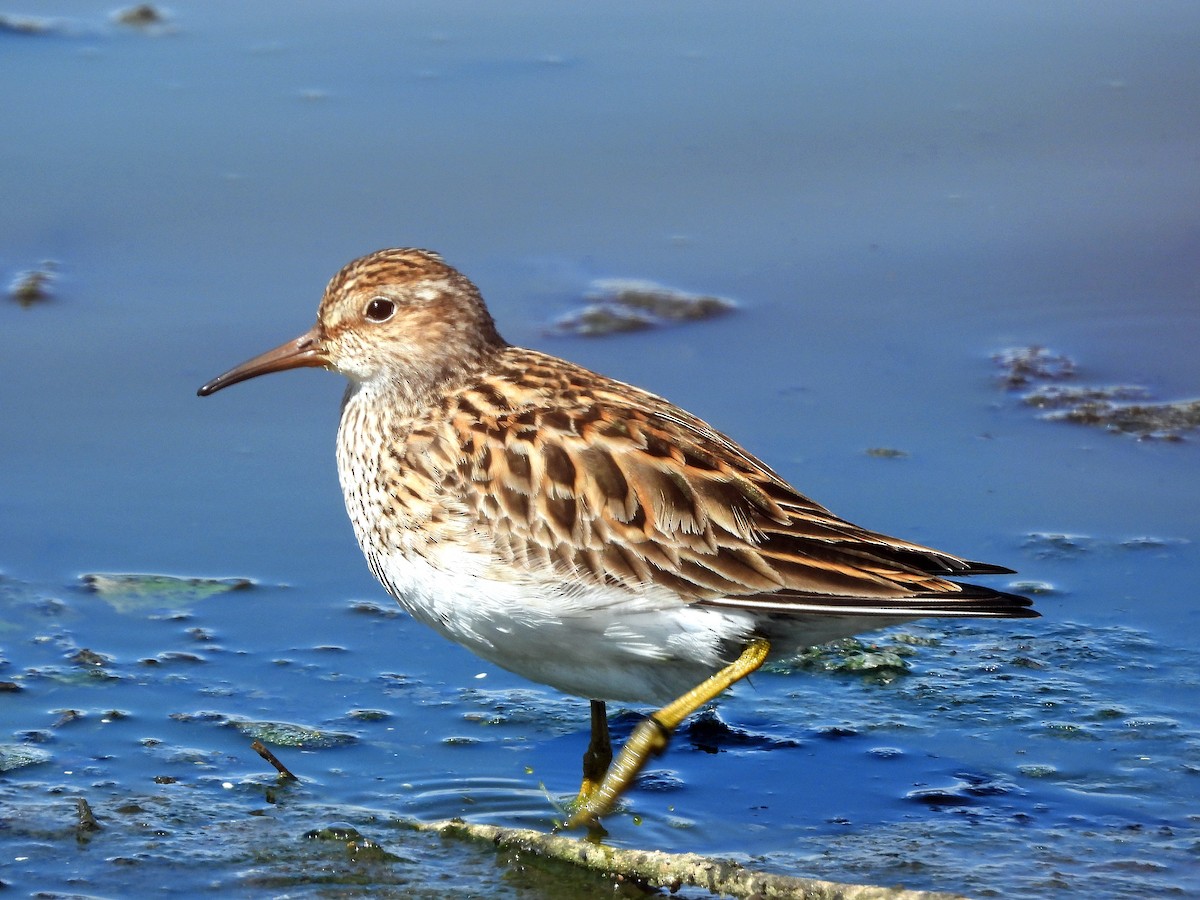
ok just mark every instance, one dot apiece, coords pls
pixel 579 531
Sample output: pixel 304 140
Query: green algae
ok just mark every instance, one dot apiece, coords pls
pixel 851 656
pixel 135 593
pixel 18 756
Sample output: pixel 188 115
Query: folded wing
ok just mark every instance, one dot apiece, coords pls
pixel 623 488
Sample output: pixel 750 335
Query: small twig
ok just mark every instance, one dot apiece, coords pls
pixel 261 749
pixel 669 870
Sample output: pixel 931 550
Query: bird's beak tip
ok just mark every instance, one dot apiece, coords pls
pixel 305 351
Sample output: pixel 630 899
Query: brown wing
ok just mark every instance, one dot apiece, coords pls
pixel 618 486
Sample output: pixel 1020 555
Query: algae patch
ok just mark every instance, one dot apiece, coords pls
pixel 1147 420
pixel 18 756
pixel 1119 408
pixel 1024 365
pixel 878 662
pixel 617 305
pixel 277 734
pixel 130 593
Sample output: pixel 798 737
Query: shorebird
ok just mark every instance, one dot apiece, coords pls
pixel 579 531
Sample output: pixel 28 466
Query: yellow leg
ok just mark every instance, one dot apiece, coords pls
pixel 598 757
pixel 651 736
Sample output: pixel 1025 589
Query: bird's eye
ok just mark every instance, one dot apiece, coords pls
pixel 379 309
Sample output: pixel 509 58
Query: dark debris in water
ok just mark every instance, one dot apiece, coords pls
pixel 172 657
pixel 356 845
pixel 1119 408
pixel 1037 588
pixel 368 715
pixel 522 707
pixel 145 18
pixel 143 15
pixel 68 716
pixel 379 610
pixel 18 756
pixel 1057 396
pixel 617 305
pixel 33 286
pixel 1052 545
pixel 661 781
pixel 28 25
pixel 1165 421
pixel 709 733
pixel 600 320
pixel 87 821
pixel 89 658
pixel 1022 366
pixel 968 788
pixel 78 675
pixel 1057 545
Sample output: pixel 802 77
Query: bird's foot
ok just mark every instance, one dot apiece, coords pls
pixel 649 739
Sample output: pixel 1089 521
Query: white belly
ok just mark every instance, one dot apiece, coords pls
pixel 600 643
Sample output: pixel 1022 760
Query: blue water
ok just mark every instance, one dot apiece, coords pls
pixel 891 192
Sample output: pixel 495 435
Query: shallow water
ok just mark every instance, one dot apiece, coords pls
pixel 891 193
